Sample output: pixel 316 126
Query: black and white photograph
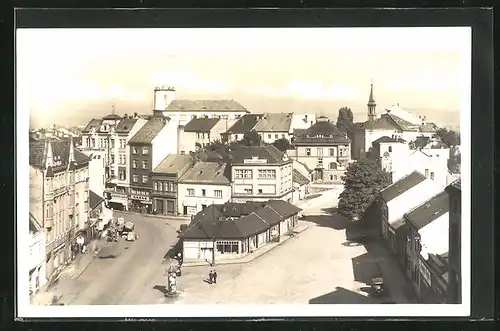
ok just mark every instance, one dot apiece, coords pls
pixel 243 171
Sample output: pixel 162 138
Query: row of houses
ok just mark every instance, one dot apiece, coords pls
pixel 420 222
pixel 63 211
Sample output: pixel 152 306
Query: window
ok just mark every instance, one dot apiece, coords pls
pixel 427 173
pixel 155 186
pixel 308 151
pixel 112 143
pixel 134 164
pixel 276 136
pixel 122 143
pixel 77 198
pixel 332 151
pixel 93 142
pixel 320 152
pixel 144 164
pixel 144 179
pixel 135 178
pixel 243 173
pixel 218 193
pixel 248 191
pixel 320 162
pixel 267 174
pixel 283 136
pixel 160 186
pixel 335 177
pixel 331 177
pixel 191 192
pixel 145 151
pixel 134 150
pixel 269 136
pixel 390 149
pixel 432 175
pixel 260 191
pixel 122 174
pixel 203 192
pixel 112 158
pixel 332 166
pixel 227 247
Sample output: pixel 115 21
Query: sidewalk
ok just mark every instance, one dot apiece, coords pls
pixel 399 286
pixel 252 256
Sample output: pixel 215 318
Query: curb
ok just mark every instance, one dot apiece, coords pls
pixel 252 258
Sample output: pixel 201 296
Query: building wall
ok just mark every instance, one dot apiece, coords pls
pixel 195 202
pixel 271 187
pixel 97 174
pixel 335 159
pixel 434 236
pixel 37 194
pixel 221 127
pixel 271 137
pixel 186 142
pixel 182 118
pixel 164 143
pixel 455 251
pixel 36 262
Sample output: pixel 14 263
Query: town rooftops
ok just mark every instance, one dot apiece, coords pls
pixel 429 211
pixel 94 199
pixel 173 164
pixel 201 124
pixel 149 131
pixel 245 123
pixel 125 125
pixel 60 154
pixel 274 122
pixel 205 106
pixel 402 185
pixel 208 173
pixel 237 220
pixel 299 178
pixel 258 154
pixel 94 123
pixel 385 139
pixel 404 125
pixel 322 132
pixel 428 127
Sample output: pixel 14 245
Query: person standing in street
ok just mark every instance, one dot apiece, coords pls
pixel 210 277
pixel 214 275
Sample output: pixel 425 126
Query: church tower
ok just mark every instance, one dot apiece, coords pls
pixel 372 115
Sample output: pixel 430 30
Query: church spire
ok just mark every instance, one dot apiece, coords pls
pixel 372 115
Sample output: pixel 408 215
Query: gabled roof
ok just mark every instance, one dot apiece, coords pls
pixel 148 132
pixel 237 220
pixel 201 124
pixel 35 226
pixel 94 123
pixel 274 122
pixel 402 185
pixel 269 153
pixel 429 211
pixel 205 105
pixel 298 178
pixel 125 125
pixel 94 199
pixel 403 125
pixel 245 123
pixel 173 164
pixel 322 132
pixel 60 150
pixel 385 139
pixel 207 172
pixel 428 127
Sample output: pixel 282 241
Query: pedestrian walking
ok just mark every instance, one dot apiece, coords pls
pixel 214 276
pixel 210 277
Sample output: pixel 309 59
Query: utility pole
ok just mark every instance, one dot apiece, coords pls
pixel 213 235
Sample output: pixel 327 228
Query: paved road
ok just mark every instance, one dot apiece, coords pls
pixel 122 271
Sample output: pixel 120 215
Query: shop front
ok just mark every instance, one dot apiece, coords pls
pixel 140 204
pixel 189 208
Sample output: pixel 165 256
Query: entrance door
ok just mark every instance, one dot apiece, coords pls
pixel 185 211
pixel 319 174
pixel 160 206
pixel 170 207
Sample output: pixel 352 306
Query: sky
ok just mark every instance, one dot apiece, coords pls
pixel 68 76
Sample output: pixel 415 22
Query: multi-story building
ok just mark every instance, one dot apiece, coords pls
pixel 37 276
pixel 204 184
pixel 400 198
pixel 58 196
pixel 260 173
pixel 106 142
pixel 399 159
pixel 243 125
pixel 388 124
pixel 425 233
pixel 324 148
pixel 274 126
pixel 148 148
pixel 200 132
pixel 183 111
pixel 165 179
pixel 455 241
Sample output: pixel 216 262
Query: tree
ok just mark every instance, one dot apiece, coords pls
pixel 449 137
pixel 251 138
pixel 363 181
pixel 282 144
pixel 345 120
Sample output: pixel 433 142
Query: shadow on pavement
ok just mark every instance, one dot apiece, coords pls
pixel 333 221
pixel 312 196
pixel 342 296
pixel 161 288
pixel 105 257
pixel 365 268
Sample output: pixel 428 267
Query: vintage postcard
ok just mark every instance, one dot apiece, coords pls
pixel 243 172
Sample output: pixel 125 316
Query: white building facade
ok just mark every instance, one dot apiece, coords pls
pixel 36 240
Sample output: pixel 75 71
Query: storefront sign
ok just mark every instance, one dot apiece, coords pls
pixel 255 160
pixel 137 197
pixel 426 275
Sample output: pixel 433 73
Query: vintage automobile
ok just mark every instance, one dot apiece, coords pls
pixel 377 287
pixel 131 236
